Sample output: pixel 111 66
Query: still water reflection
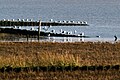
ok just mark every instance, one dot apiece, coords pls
pixel 53 39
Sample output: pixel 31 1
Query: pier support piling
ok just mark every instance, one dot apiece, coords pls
pixel 39 29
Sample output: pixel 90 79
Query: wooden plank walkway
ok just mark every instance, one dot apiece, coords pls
pixel 36 23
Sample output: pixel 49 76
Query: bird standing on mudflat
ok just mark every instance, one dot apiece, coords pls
pixel 115 38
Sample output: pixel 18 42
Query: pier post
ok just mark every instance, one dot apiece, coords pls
pixel 39 29
pixel 27 37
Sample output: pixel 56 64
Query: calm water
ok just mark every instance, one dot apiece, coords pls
pixel 103 16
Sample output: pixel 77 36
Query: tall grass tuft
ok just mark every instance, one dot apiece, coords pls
pixel 25 54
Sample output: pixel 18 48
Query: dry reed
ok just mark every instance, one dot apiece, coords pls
pixel 46 53
pixel 27 54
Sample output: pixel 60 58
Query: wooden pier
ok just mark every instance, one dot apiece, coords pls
pixel 36 23
pixel 22 32
pixel 35 33
pixel 12 30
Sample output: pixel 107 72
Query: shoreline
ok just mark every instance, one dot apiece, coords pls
pixel 4 37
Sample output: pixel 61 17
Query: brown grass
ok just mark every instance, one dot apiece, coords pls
pixel 26 54
pixel 62 75
pixel 46 53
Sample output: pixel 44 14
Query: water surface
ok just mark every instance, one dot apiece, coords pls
pixel 102 16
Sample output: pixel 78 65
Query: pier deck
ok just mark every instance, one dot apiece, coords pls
pixel 35 33
pixel 36 23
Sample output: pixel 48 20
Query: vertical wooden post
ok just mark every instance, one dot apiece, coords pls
pixel 39 29
pixel 27 37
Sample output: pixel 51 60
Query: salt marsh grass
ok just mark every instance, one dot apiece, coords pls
pixel 32 54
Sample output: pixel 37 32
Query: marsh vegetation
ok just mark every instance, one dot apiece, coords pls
pixel 57 59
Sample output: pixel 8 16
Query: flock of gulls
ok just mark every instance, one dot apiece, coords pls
pixel 52 32
pixel 61 33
